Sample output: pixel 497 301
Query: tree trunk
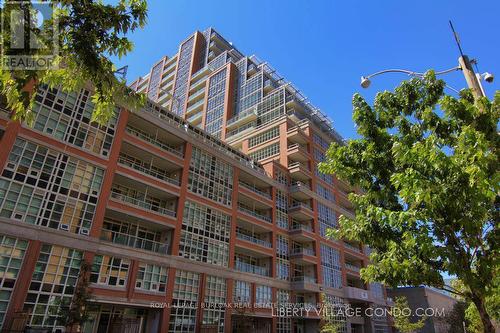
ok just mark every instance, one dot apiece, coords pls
pixel 485 317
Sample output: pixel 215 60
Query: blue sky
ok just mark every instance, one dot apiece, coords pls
pixel 324 47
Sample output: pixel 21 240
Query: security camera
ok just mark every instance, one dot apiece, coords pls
pixel 488 77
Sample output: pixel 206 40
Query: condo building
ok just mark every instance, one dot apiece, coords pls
pixel 202 212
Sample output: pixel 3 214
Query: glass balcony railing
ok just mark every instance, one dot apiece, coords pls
pixel 254 240
pixel 299 226
pixel 302 251
pixel 298 205
pixel 242 115
pixel 352 267
pixel 151 139
pixel 142 204
pixel 133 241
pixel 308 279
pixel 352 247
pixel 149 171
pixel 254 189
pixel 249 211
pixel 195 105
pixel 249 268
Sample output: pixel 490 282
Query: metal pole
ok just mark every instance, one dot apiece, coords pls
pixel 471 78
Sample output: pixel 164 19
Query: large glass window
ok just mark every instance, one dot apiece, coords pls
pixel 215 298
pixel 12 251
pixel 242 292
pixel 205 234
pixel 151 278
pixel 109 271
pixel 330 266
pixel 68 117
pixel 184 302
pixel 263 296
pixel 53 283
pixel 44 187
pixel 210 177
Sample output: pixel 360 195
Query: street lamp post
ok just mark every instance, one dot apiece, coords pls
pixel 465 65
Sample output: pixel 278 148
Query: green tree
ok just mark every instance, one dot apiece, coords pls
pixel 470 313
pixel 402 317
pixel 89 32
pixel 427 166
pixel 74 313
pixel 328 314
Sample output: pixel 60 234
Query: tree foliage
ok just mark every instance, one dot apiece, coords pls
pixel 89 32
pixel 428 169
pixel 402 317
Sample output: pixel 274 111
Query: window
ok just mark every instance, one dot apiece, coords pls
pixel 319 140
pixel 151 278
pixel 44 187
pixel 184 302
pixel 210 177
pixel 215 103
pixel 268 151
pixel 283 269
pixel 327 219
pixel 12 251
pixel 330 265
pixel 282 209
pixel 68 117
pixel 215 298
pixel 109 271
pixel 52 284
pixel 337 312
pixel 182 77
pixel 325 192
pixel 205 234
pixel 263 296
pixel 242 292
pixel 263 137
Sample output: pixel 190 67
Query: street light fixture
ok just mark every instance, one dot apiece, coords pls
pixel 365 80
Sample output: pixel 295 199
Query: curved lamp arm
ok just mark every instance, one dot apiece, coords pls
pixel 365 80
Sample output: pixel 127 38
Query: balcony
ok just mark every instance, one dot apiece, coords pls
pixel 196 118
pixel 301 232
pixel 352 247
pixel 300 211
pixel 150 170
pixel 115 194
pixel 249 268
pixel 352 267
pixel 249 211
pixel 268 86
pixel 303 256
pixel 256 190
pixel 133 241
pixel 198 106
pixel 299 171
pixel 357 294
pixel 196 96
pixel 298 152
pixel 242 118
pixel 301 191
pixel 155 140
pixel 254 240
pixel 295 134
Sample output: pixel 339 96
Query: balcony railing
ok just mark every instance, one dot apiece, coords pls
pixel 254 189
pixel 255 240
pixel 133 241
pixel 254 213
pixel 297 165
pixel 299 226
pixel 249 268
pixel 352 267
pixel 242 115
pixel 195 105
pixel 308 279
pixel 298 205
pixel 352 247
pixel 149 138
pixel 155 173
pixel 303 251
pixel 143 204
